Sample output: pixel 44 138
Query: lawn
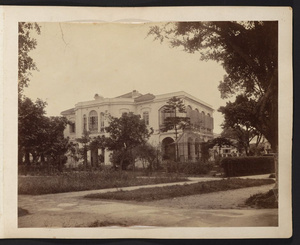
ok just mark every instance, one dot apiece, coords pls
pixel 80 181
pixel 157 193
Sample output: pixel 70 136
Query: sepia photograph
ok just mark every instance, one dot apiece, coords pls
pixel 149 124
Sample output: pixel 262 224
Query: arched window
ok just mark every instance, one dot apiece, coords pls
pixel 146 117
pixel 168 149
pixel 84 123
pixel 93 121
pixel 102 126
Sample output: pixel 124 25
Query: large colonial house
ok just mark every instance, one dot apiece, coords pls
pixel 92 116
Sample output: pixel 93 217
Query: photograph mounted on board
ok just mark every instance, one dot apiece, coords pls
pixel 146 122
pixel 159 124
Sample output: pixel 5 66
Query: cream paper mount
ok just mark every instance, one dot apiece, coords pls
pixel 67 40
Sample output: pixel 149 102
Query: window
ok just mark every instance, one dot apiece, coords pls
pixel 102 122
pixel 163 115
pixel 146 117
pixel 84 123
pixel 93 121
pixel 72 127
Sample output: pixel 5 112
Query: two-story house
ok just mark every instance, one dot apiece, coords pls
pixel 92 116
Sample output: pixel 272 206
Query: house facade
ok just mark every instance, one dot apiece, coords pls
pixel 93 117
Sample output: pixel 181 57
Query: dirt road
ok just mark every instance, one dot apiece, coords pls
pixel 219 209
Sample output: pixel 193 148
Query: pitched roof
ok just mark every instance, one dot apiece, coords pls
pixel 67 112
pixel 130 94
pixel 144 97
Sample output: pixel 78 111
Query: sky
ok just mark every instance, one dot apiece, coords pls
pixel 77 60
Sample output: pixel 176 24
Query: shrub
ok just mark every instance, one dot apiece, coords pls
pixel 196 168
pixel 241 166
pixel 22 212
pixel 263 200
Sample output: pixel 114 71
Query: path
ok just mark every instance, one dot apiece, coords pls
pixel 73 210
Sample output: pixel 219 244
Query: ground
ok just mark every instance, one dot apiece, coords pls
pixel 219 209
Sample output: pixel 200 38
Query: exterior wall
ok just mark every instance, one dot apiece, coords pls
pixel 116 106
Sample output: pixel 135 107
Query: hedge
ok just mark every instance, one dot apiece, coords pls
pixel 241 166
pixel 188 167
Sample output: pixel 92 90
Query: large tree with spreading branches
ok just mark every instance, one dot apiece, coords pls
pixel 248 51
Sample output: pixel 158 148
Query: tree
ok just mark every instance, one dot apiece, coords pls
pixel 73 151
pixel 39 135
pixel 31 121
pixel 174 121
pixel 53 144
pixel 146 153
pixel 26 44
pixel 126 133
pixel 220 141
pixel 248 51
pixel 96 143
pixel 239 120
pixel 84 140
pixel 206 146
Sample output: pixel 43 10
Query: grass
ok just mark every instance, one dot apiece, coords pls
pixel 80 181
pixel 263 200
pixel 158 193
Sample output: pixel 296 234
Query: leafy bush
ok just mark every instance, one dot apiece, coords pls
pixel 196 168
pixel 263 200
pixel 240 166
pixel 22 212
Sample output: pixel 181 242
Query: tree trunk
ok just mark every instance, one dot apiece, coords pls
pixel 27 157
pixel 42 158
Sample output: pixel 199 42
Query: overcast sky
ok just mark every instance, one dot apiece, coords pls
pixel 78 60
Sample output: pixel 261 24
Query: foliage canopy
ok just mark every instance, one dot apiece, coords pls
pixel 248 51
